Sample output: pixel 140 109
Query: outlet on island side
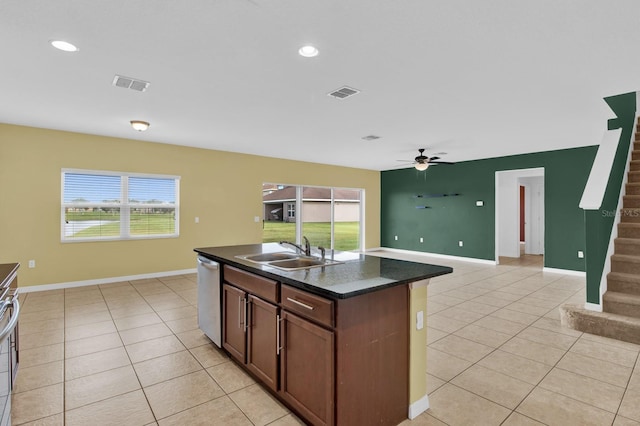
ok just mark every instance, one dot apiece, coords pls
pixel 421 240
pixel 420 320
pixel 580 254
pixel 395 237
pixel 460 243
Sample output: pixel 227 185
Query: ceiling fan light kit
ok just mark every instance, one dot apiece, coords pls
pixel 422 162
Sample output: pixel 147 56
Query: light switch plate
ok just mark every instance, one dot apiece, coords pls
pixel 420 320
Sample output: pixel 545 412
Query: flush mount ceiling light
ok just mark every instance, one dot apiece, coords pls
pixel 140 126
pixel 308 51
pixel 65 46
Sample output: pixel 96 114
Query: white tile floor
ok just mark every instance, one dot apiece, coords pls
pixel 130 353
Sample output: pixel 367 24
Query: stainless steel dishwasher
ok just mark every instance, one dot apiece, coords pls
pixel 209 299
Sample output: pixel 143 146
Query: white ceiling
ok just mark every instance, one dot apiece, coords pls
pixel 474 79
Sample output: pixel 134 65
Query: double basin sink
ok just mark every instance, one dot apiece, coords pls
pixel 287 261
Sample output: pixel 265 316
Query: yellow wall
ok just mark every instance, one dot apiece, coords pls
pixel 417 342
pixel 223 189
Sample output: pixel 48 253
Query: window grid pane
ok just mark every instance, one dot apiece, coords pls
pixel 94 189
pixel 94 207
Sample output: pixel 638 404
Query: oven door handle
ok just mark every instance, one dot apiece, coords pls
pixel 13 321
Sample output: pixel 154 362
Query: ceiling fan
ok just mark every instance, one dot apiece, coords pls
pixel 422 162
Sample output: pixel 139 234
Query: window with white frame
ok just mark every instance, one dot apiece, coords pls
pixel 100 205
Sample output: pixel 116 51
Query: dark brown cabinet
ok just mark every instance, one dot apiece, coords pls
pixel 332 361
pixel 307 368
pixel 262 348
pixel 233 322
pixel 250 329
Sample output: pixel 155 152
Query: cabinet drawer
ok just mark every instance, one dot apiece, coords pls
pixel 308 305
pixel 251 283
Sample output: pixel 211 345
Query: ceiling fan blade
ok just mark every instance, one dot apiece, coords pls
pixel 433 158
pixel 440 162
pixel 406 161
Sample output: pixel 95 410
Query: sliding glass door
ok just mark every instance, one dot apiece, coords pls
pixel 328 217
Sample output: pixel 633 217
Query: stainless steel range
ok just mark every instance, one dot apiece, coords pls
pixel 9 313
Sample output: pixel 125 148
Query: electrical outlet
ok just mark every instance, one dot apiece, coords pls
pixel 197 219
pixel 460 243
pixel 421 240
pixel 396 238
pixel 580 254
pixel 32 263
pixel 256 219
pixel 420 320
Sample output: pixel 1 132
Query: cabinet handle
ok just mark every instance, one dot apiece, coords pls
pixel 304 305
pixel 246 313
pixel 278 338
pixel 240 299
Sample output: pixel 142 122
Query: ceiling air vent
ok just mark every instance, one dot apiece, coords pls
pixel 370 137
pixel 344 92
pixel 130 83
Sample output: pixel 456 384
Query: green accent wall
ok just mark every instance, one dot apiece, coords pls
pixel 454 218
pixel 599 223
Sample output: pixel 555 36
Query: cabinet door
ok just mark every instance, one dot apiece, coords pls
pixel 233 321
pixel 307 369
pixel 262 347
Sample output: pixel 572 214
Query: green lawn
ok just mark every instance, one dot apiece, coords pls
pixel 318 233
pixel 141 224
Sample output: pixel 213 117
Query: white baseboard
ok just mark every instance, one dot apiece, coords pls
pixel 593 307
pixel 565 272
pixel 437 255
pixel 72 284
pixel 418 407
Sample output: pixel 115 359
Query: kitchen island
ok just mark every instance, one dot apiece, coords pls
pixel 339 344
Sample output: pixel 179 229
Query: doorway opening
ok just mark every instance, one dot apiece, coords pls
pixel 520 217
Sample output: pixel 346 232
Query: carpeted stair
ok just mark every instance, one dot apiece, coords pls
pixel 620 318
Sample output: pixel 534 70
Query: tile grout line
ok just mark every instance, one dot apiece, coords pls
pixel 497 348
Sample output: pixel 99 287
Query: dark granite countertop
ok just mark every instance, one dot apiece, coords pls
pixel 358 274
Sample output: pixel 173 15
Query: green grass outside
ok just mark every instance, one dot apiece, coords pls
pixel 140 224
pixel 319 233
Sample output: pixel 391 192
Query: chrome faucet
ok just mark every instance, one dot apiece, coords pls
pixel 307 246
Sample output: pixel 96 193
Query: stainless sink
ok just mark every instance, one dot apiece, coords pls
pixel 287 261
pixel 269 257
pixel 301 263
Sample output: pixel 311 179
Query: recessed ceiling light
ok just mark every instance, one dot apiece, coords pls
pixel 308 51
pixel 64 46
pixel 140 126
